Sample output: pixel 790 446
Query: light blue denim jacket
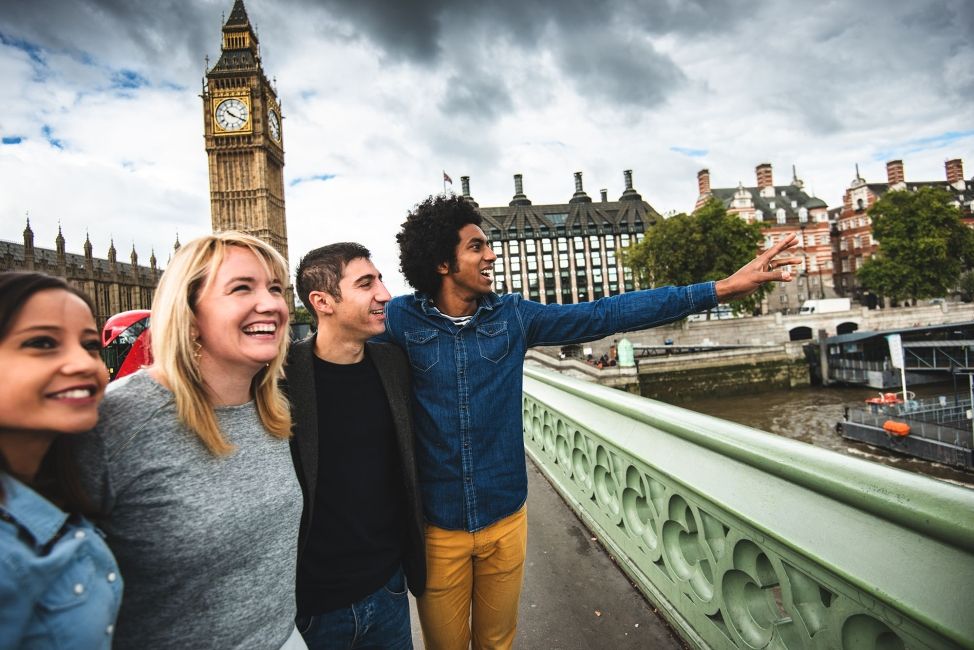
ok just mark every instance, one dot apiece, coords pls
pixel 467 384
pixel 59 584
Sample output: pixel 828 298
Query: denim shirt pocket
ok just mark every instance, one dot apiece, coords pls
pixel 492 340
pixel 422 349
pixel 72 587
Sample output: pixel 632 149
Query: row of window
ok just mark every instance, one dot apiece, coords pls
pixel 528 232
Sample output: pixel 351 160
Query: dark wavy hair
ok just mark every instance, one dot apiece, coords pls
pixel 57 478
pixel 429 237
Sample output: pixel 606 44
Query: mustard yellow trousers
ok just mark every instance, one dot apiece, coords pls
pixel 473 585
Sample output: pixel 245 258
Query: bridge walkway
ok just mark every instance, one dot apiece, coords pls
pixel 574 596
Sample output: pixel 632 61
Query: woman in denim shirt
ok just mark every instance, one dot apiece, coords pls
pixel 59 584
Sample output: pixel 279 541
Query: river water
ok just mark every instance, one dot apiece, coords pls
pixel 810 415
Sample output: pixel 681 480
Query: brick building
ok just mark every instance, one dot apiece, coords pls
pixel 853 241
pixel 780 210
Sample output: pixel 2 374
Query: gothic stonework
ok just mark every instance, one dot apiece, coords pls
pixel 244 144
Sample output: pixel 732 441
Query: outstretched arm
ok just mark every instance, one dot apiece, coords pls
pixel 762 269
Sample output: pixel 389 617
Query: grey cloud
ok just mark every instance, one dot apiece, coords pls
pixel 478 95
pixel 629 72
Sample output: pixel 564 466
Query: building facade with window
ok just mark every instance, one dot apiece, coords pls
pixel 781 210
pixel 565 252
pixel 113 286
pixel 854 242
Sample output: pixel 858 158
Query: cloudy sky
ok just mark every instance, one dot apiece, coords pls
pixel 101 120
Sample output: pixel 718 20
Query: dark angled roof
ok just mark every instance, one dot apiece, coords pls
pixel 237 59
pixel 935 332
pixel 569 219
pixel 784 196
pixel 961 197
pixel 238 16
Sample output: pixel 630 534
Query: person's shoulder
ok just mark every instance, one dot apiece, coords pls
pixel 301 350
pixel 387 350
pixel 138 390
pixel 130 403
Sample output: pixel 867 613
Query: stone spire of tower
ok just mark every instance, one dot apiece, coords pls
pixel 59 242
pixel 89 257
pixel 112 254
pixel 28 246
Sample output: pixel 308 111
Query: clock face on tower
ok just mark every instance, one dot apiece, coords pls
pixel 274 125
pixel 232 114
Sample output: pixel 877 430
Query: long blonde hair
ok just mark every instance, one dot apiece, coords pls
pixel 173 326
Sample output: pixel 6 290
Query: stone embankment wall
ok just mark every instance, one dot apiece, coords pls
pixel 774 362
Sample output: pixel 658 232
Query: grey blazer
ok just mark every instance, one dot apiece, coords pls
pixel 393 369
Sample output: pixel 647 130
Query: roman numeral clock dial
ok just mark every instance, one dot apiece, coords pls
pixel 232 114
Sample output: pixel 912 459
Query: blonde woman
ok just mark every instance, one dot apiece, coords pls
pixel 190 462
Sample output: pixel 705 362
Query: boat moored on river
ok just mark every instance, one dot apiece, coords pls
pixel 937 429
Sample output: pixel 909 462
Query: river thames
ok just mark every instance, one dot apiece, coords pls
pixel 810 415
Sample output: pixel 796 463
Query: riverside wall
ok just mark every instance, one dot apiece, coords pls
pixel 774 362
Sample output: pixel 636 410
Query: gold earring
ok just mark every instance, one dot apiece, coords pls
pixel 197 351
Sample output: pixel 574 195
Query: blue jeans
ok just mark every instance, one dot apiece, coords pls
pixel 380 621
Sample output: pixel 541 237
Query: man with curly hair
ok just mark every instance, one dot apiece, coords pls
pixel 466 349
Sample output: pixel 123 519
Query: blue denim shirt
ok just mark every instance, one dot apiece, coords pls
pixel 467 384
pixel 59 584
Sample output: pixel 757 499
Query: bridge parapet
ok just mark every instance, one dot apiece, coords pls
pixel 746 540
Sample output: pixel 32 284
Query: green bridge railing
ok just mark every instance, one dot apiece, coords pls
pixel 743 539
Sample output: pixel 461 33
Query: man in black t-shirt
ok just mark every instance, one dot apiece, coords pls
pixel 362 538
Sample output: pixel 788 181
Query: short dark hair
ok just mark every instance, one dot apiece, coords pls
pixel 322 270
pixel 429 237
pixel 57 478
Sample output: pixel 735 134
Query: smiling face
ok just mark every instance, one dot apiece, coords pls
pixel 241 317
pixel 359 314
pixel 53 375
pixel 473 275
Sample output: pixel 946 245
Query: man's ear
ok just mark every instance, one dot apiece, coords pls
pixel 321 302
pixel 443 268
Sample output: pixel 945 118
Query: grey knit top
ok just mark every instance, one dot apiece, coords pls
pixel 207 545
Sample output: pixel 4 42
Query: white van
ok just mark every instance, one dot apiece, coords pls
pixel 825 306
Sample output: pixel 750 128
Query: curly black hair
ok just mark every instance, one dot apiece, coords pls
pixel 430 236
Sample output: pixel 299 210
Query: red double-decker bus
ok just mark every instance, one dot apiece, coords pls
pixel 125 342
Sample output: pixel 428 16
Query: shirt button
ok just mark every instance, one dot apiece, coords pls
pixel 79 534
pixel 112 577
pixel 109 629
pixel 467 479
pixel 79 589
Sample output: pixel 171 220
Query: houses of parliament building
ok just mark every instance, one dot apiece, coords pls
pixel 244 147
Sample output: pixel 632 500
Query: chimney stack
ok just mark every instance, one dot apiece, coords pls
pixel 519 198
pixel 605 195
pixel 703 182
pixel 955 170
pixel 579 196
pixel 465 184
pixel 894 172
pixel 627 175
pixel 763 172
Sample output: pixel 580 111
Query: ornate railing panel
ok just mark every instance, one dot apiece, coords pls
pixel 747 540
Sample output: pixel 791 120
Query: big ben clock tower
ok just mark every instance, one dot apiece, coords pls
pixel 242 124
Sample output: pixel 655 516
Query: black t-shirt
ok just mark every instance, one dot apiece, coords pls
pixel 358 527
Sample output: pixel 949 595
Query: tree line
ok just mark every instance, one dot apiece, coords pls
pixel 925 250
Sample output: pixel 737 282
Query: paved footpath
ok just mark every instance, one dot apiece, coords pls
pixel 574 596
